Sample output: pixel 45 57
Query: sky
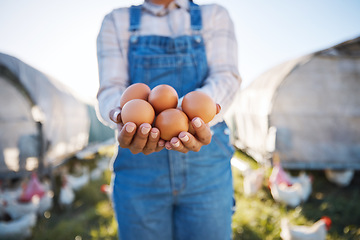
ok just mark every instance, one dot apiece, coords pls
pixel 59 37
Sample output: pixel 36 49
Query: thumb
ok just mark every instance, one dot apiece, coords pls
pixel 115 115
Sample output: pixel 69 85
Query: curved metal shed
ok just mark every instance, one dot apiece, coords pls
pixel 307 110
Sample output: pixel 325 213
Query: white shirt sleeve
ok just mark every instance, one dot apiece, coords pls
pixel 224 79
pixel 112 63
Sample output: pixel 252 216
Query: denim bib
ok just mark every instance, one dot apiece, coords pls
pixel 181 63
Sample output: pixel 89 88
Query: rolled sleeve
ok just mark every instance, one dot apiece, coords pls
pixel 222 55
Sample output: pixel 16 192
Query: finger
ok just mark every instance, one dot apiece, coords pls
pixel 177 145
pixel 115 115
pixel 160 145
pixel 126 134
pixel 190 142
pixel 152 142
pixel 140 139
pixel 202 130
pixel 218 108
pixel 168 145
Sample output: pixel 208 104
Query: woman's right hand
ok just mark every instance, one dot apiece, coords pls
pixel 145 139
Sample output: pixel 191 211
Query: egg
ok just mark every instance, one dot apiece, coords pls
pixel 135 91
pixel 171 122
pixel 199 104
pixel 163 97
pixel 137 111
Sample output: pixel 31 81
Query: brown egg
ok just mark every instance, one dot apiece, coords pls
pixel 135 91
pixel 163 97
pixel 171 122
pixel 199 104
pixel 137 111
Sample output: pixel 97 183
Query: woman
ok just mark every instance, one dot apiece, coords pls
pixel 182 188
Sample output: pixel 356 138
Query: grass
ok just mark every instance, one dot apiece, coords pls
pixel 256 217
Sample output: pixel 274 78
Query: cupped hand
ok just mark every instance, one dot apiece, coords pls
pixel 143 139
pixel 186 141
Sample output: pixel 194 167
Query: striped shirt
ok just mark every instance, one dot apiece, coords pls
pixel 223 80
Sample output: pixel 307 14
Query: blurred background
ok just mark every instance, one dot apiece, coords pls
pixel 295 122
pixel 59 37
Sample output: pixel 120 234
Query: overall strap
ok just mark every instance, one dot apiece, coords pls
pixel 195 14
pixel 135 18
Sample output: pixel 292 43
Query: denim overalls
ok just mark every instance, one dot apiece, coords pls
pixel 171 195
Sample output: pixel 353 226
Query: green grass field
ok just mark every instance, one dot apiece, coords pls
pixel 256 217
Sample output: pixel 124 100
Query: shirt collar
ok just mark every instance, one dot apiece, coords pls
pixel 160 10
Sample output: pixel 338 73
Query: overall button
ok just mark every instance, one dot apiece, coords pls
pixel 133 39
pixel 197 39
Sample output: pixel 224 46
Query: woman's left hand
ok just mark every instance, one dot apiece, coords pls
pixel 186 141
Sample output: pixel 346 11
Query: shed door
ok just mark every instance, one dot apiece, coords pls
pixel 18 131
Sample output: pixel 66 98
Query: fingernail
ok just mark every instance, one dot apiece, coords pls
pixel 176 144
pixel 145 130
pixel 153 134
pixel 129 128
pixel 197 122
pixel 184 138
pixel 116 114
pixel 161 143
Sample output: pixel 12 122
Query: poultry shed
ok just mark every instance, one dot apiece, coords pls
pixel 42 123
pixel 306 109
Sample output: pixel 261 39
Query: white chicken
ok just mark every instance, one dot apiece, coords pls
pixel 291 190
pixel 342 178
pixel 8 195
pixel 317 231
pixel 16 209
pixel 107 189
pixel 11 194
pixel 77 182
pixel 290 195
pixel 46 201
pixel 20 228
pixel 278 175
pixel 67 195
pixel 306 185
pixel 253 180
pixel 101 166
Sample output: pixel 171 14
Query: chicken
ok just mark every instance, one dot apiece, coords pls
pixel 317 231
pixel 253 180
pixel 11 194
pixel 278 175
pixel 8 195
pixel 32 188
pixel 16 209
pixel 77 182
pixel 306 185
pixel 291 190
pixel 107 189
pixel 67 195
pixel 342 178
pixel 290 195
pixel 46 202
pixel 19 228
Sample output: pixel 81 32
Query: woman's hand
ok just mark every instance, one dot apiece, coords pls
pixel 145 139
pixel 186 141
